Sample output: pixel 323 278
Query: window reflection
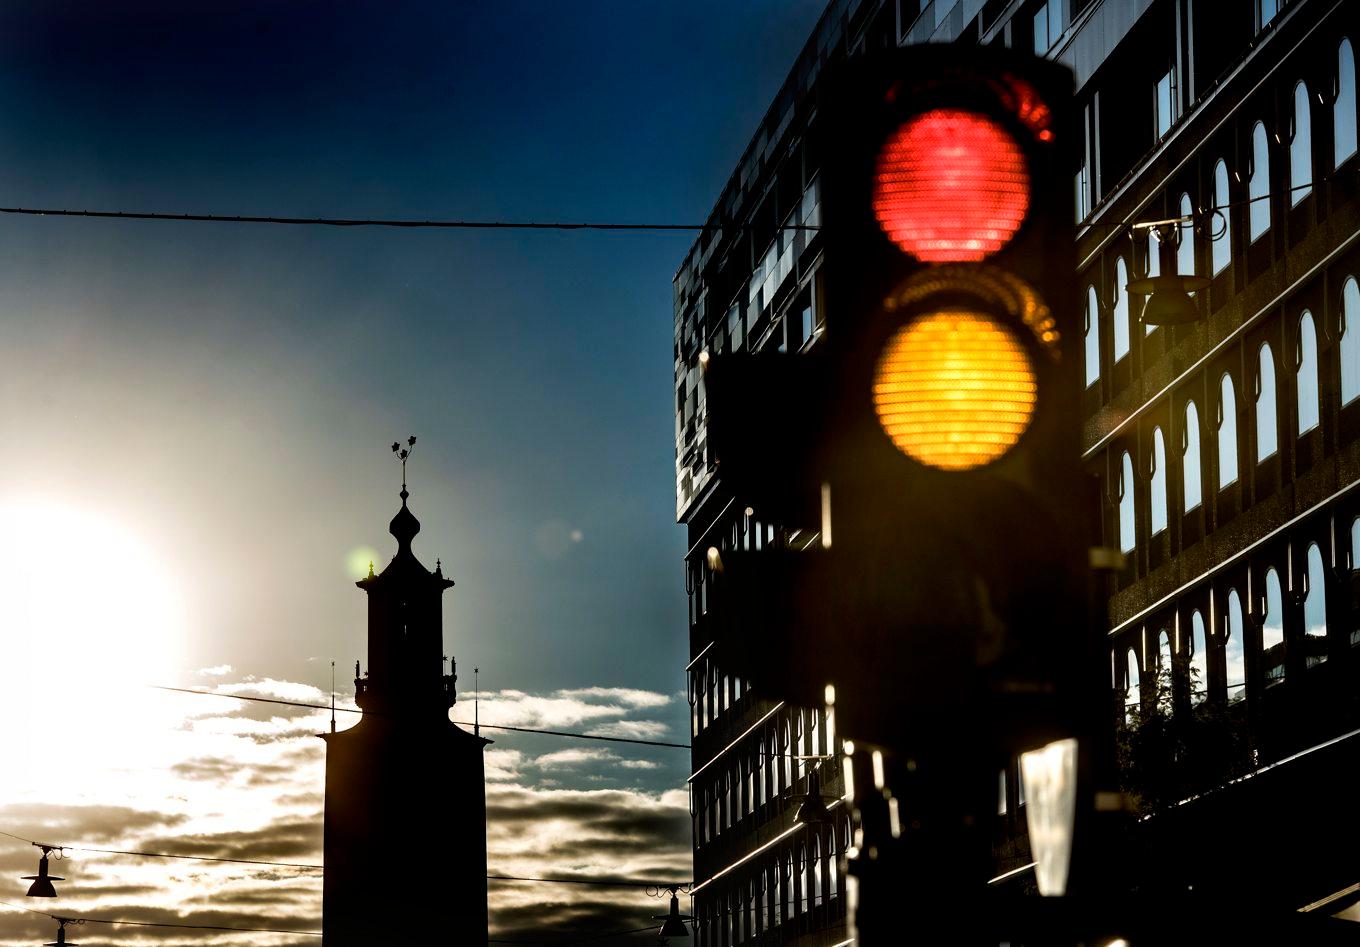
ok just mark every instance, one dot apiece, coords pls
pixel 1315 610
pixel 1121 309
pixel 1267 436
pixel 1092 337
pixel 1301 148
pixel 1133 692
pixel 1258 185
pixel 1272 629
pixel 1199 659
pixel 1307 376
pixel 1350 341
pixel 1185 253
pixel 1227 432
pixel 1127 534
pixel 1233 651
pixel 1343 106
pixel 1158 485
pixel 1222 240
pixel 1190 466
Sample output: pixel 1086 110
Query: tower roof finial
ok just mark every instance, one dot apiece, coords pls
pixel 404 525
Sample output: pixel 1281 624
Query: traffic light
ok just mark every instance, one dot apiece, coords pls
pixel 934 449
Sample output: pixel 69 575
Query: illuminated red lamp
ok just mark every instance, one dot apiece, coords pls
pixel 951 186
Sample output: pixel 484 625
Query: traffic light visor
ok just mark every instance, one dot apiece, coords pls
pixel 955 389
pixel 951 186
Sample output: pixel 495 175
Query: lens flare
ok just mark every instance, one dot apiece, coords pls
pixel 954 390
pixel 951 186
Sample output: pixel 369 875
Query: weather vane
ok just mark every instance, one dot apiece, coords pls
pixel 402 453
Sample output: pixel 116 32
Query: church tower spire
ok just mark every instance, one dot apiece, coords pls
pixel 405 772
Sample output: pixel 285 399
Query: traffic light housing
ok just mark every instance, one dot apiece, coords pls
pixel 935 448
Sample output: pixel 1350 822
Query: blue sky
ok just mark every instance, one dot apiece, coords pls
pixel 211 404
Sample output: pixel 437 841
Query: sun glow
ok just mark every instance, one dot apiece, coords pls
pixel 89 616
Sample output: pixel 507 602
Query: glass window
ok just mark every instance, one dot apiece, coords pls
pixel 1164 103
pixel 1350 341
pixel 1301 148
pixel 1041 31
pixel 1185 253
pixel 1222 241
pixel 1158 485
pixel 1092 337
pixel 1307 375
pixel 1127 529
pixel 1001 802
pixel 1265 12
pixel 1133 693
pixel 1190 467
pixel 1315 609
pixel 1047 25
pixel 1234 653
pixel 1199 659
pixel 1120 314
pixel 1272 629
pixel 1343 108
pixel 1154 267
pixel 1227 432
pixel 1258 185
pixel 1267 435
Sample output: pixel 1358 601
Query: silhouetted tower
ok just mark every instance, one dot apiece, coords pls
pixel 405 788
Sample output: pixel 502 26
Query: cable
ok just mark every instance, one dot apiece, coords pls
pixel 482 224
pixel 191 927
pixel 378 222
pixel 602 882
pixel 464 723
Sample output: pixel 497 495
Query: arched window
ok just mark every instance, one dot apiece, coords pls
pixel 1272 629
pixel 1128 537
pixel 1343 107
pixel 1158 491
pixel 1092 337
pixel 1267 424
pixel 1199 659
pixel 1233 651
pixel 1191 476
pixel 1120 312
pixel 1154 268
pixel 1315 609
pixel 1222 241
pixel 1162 684
pixel 1185 253
pixel 786 752
pixel 1258 185
pixel 790 901
pixel 815 870
pixel 831 731
pixel 815 737
pixel 1301 148
pixel 833 880
pixel 1350 341
pixel 1133 692
pixel 1306 378
pixel 1227 432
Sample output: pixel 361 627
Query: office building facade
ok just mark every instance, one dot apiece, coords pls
pixel 1227 449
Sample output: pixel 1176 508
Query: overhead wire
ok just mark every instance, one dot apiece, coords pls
pixel 464 723
pixel 461 224
pixel 600 882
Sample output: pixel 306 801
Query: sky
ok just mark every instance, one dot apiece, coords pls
pixel 195 420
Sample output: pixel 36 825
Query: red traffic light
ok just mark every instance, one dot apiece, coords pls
pixel 951 186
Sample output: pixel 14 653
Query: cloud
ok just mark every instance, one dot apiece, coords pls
pixel 229 780
pixel 217 670
pixel 632 729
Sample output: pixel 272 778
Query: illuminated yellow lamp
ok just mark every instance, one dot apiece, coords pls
pixel 955 389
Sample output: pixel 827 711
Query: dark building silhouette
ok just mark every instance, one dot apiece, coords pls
pixel 405 788
pixel 1227 449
